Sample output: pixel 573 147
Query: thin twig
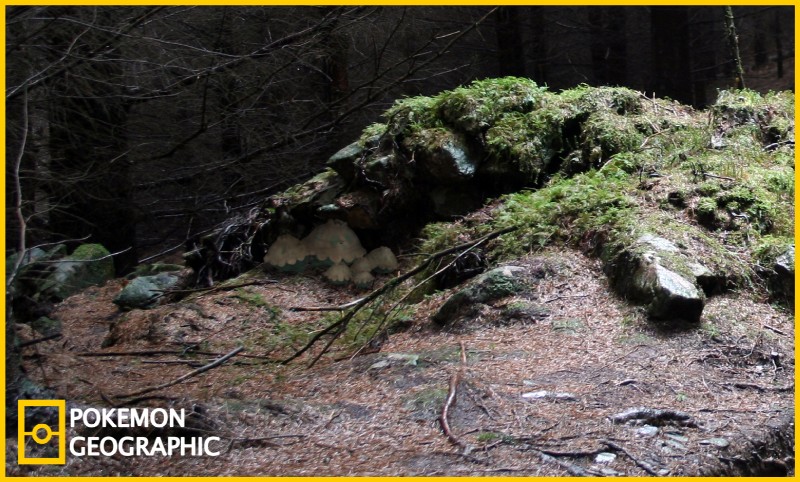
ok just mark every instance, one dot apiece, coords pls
pixel 185 377
pixel 337 328
pixel 772 328
pixel 40 340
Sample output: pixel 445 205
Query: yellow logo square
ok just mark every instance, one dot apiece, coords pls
pixel 49 432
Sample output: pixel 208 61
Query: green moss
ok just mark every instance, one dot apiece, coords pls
pixel 527 141
pixel 768 248
pixel 477 107
pixel 566 210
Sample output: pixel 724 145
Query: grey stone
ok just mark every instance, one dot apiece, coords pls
pixel 489 286
pixel 445 156
pixel 647 431
pixel 145 291
pixel 344 160
pixel 784 274
pixel 658 243
pixel 553 396
pixel 718 442
pixel 672 296
pixel 605 458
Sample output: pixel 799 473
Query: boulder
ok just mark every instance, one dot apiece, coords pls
pixel 88 265
pixel 654 271
pixel 443 155
pixel 145 291
pixel 490 286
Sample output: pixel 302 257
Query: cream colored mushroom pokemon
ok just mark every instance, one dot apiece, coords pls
pixel 334 242
pixel 338 274
pixel 287 253
pixel 382 260
pixel 361 265
pixel 363 279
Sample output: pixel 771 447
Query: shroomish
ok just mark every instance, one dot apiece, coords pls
pixel 287 253
pixel 382 260
pixel 334 242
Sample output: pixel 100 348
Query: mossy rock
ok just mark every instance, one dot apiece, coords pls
pixel 490 286
pixel 88 265
pixel 145 291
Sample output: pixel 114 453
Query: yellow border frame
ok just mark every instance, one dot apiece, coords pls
pixel 61 433
pixel 587 3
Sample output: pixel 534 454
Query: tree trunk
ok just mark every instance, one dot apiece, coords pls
pixel 608 47
pixel 510 48
pixel 672 69
pixel 538 44
pixel 733 48
pixel 91 192
pixel 778 44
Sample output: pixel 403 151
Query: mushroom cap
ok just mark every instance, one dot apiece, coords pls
pixel 334 241
pixel 338 274
pixel 286 250
pixel 382 259
pixel 363 279
pixel 361 265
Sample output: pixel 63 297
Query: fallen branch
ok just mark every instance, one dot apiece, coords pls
pixel 338 327
pixel 326 308
pixel 772 328
pixel 760 388
pixel 571 469
pixel 451 397
pixel 185 377
pixel 40 340
pixel 220 287
pixel 163 352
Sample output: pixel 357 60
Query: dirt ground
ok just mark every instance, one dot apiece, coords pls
pixel 551 378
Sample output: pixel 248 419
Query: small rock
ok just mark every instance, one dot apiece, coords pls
pixel 380 364
pixel 717 442
pixel 678 438
pixel 647 431
pixel 674 444
pixel 409 359
pixel 544 394
pixel 609 472
pixel 605 458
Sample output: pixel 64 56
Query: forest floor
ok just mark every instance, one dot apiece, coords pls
pixel 537 396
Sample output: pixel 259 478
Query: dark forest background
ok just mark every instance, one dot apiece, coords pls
pixel 141 127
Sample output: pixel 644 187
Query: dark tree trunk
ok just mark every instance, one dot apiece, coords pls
pixel 510 48
pixel 778 44
pixel 672 69
pixel 538 44
pixel 734 57
pixel 91 192
pixel 608 47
